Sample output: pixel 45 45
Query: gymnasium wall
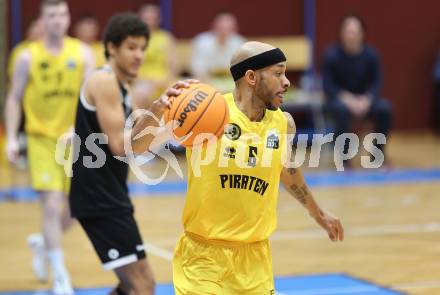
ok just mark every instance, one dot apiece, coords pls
pixel 406 34
pixel 103 9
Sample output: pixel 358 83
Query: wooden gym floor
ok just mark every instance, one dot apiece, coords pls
pixel 392 228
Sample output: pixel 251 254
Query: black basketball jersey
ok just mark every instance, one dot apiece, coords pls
pixel 98 187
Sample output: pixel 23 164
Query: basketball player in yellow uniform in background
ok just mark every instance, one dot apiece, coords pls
pixel 46 82
pixel 86 29
pixel 34 32
pixel 159 68
pixel 230 208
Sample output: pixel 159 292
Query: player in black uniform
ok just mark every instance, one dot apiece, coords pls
pixel 99 195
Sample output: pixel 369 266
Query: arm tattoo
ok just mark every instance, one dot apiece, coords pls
pixel 300 193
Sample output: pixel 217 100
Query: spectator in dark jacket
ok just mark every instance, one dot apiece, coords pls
pixel 352 81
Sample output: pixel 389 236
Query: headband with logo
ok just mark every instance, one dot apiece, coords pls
pixel 257 62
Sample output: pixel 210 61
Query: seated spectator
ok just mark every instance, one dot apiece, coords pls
pixel 159 68
pixel 212 52
pixel 87 30
pixel 437 93
pixel 352 81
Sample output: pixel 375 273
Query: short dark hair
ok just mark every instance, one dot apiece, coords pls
pixel 121 26
pixel 85 16
pixel 51 2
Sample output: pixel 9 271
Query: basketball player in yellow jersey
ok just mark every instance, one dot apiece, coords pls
pixel 86 29
pixel 230 209
pixel 160 64
pixel 46 82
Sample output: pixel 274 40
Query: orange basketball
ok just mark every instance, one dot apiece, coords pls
pixel 198 109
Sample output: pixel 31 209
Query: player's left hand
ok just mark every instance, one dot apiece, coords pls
pixel 176 89
pixel 331 224
pixel 163 101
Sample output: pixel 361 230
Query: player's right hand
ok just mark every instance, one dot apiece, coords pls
pixel 12 150
pixel 158 106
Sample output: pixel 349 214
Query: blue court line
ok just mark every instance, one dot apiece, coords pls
pixel 316 179
pixel 318 284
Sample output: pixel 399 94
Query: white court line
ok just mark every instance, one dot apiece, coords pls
pixel 382 230
pixel 318 233
pixel 417 285
pixel 167 255
pixel 159 252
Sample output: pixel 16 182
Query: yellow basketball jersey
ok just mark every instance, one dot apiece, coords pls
pixel 155 66
pixel 98 52
pixel 235 196
pixel 54 82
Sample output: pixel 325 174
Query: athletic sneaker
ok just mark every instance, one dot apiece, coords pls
pixel 39 259
pixel 61 283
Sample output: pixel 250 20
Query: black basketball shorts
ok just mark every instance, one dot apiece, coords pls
pixel 115 237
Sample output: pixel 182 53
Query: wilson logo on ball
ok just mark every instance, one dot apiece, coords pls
pixel 198 110
pixel 191 106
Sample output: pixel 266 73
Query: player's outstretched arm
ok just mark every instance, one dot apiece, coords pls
pixel 13 103
pixel 293 181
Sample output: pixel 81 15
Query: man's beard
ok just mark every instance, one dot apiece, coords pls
pixel 265 93
pixel 271 107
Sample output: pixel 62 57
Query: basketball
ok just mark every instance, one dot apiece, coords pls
pixel 198 109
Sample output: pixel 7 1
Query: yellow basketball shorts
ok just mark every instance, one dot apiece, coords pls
pixel 46 173
pixel 203 267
